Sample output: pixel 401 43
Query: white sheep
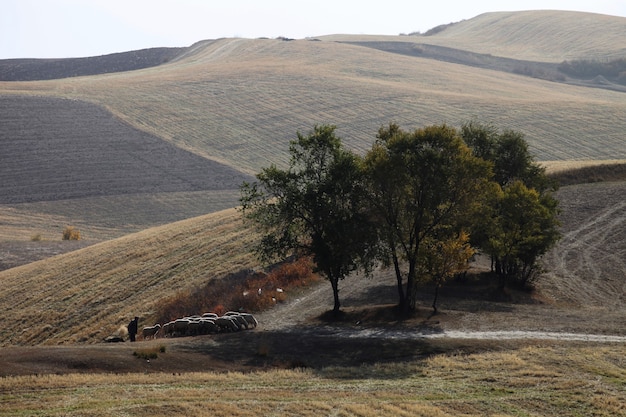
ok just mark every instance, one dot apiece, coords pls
pixel 181 327
pixel 227 323
pixel 249 319
pixel 245 319
pixel 208 326
pixel 168 329
pixel 151 331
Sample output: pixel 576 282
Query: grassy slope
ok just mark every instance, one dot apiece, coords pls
pixel 539 35
pixel 552 36
pixel 87 294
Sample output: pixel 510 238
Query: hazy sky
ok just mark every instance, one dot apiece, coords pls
pixel 74 28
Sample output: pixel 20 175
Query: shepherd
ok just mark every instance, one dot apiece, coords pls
pixel 132 328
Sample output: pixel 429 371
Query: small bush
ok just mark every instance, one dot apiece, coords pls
pixel 36 238
pixel 147 354
pixel 71 233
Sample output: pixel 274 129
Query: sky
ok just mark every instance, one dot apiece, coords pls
pixel 79 28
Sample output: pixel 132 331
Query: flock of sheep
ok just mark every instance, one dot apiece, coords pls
pixel 207 323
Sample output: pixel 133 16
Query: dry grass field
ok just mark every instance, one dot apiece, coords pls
pixel 536 35
pixel 135 160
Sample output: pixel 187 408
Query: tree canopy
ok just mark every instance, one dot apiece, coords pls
pixel 422 183
pixel 422 202
pixel 315 207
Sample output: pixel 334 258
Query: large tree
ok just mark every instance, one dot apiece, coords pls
pixel 422 185
pixel 315 207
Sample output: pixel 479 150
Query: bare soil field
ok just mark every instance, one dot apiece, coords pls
pixel 55 149
pixel 69 162
pixel 48 69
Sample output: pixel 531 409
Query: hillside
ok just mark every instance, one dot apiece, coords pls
pixel 71 162
pixel 85 295
pixel 550 36
pixel 239 101
pixel 48 69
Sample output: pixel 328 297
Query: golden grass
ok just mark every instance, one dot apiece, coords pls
pixel 85 295
pixel 550 380
pixel 553 167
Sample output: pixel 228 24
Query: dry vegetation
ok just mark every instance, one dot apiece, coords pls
pixel 85 295
pixel 559 380
pixel 536 35
pixel 238 102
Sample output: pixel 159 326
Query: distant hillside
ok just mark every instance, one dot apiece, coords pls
pixel 69 162
pixel 48 69
pixel 538 35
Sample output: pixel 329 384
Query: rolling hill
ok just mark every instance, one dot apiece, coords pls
pixel 121 152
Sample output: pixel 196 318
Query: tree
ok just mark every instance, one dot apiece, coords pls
pixel 421 183
pixel 525 227
pixel 509 153
pixel 520 222
pixel 445 258
pixel 315 207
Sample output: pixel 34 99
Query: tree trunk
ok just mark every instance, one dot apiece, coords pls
pixel 334 282
pixel 435 299
pixel 396 265
pixel 411 290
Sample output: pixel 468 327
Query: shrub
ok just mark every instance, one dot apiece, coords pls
pixel 71 233
pixel 151 353
pixel 36 238
pixel 247 290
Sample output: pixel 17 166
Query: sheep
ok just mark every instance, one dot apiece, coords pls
pixel 168 329
pixel 246 319
pixel 249 319
pixel 193 328
pixel 208 326
pixel 233 315
pixel 181 326
pixel 227 323
pixel 151 331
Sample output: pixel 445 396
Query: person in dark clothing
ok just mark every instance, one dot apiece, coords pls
pixel 132 328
